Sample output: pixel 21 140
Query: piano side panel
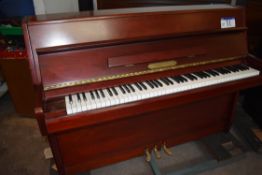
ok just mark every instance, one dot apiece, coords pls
pixel 97 145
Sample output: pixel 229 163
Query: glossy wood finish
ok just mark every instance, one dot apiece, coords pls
pixel 63 50
pixel 122 139
pixel 126 58
pixel 109 29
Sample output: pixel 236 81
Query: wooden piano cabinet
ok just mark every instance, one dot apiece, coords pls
pixel 109 142
pixel 98 50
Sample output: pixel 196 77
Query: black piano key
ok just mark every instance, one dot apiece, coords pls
pixel 214 70
pixel 169 81
pixel 92 95
pixel 142 85
pixel 209 75
pixel 230 71
pixel 164 81
pixel 122 89
pixel 201 75
pixel 84 96
pixel 150 85
pixel 206 74
pixel 153 83
pixel 70 98
pixel 109 92
pixel 184 78
pixel 213 73
pixel 231 68
pixel 176 79
pixel 126 88
pixel 102 93
pixel 97 94
pixel 114 91
pixel 220 71
pixel 243 67
pixel 78 97
pixel 193 76
pixel 238 68
pixel 131 87
pixel 225 70
pixel 180 79
pixel 189 77
pixel 159 83
pixel 138 86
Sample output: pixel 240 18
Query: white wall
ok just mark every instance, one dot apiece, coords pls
pixel 55 6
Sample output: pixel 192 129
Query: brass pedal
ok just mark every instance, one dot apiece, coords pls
pixel 157 153
pixel 148 155
pixel 167 151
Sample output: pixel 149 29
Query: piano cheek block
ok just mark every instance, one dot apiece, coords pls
pixel 96 146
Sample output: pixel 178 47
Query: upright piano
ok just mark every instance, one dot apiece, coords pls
pixel 112 85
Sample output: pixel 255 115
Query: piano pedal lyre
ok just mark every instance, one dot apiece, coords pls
pixel 157 153
pixel 148 155
pixel 167 150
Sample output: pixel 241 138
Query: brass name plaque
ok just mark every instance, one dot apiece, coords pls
pixel 162 64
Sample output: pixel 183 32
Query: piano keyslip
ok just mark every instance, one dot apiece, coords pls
pixel 153 88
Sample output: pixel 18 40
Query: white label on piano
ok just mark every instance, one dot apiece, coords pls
pixel 228 22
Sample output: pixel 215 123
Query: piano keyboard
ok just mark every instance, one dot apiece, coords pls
pixel 126 93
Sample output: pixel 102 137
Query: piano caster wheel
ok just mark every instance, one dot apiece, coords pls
pixel 167 151
pixel 157 153
pixel 148 155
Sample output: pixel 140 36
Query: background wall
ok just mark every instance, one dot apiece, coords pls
pixel 55 6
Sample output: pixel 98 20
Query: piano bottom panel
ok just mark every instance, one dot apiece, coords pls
pixel 98 145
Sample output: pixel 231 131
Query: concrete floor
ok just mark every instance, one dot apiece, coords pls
pixel 21 152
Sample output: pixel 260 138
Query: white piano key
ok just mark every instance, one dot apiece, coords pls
pixel 121 96
pixel 132 94
pixel 137 93
pixel 102 100
pixel 74 105
pixel 116 98
pixel 83 102
pixel 89 103
pixel 107 98
pixel 68 105
pixel 97 101
pixel 77 103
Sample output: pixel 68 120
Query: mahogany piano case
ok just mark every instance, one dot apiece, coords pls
pixel 112 85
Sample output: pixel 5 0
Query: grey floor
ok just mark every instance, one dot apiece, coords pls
pixel 21 152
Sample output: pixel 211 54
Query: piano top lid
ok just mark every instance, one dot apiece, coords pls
pixel 125 11
pixel 105 26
